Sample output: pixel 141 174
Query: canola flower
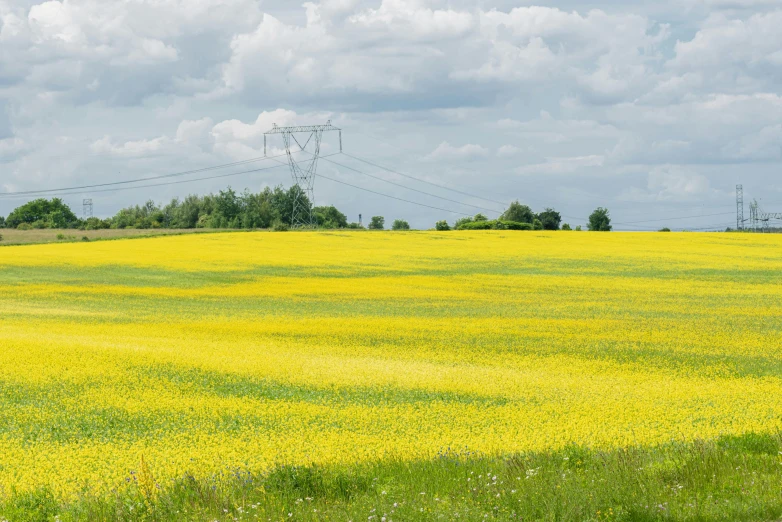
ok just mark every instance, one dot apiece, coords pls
pixel 245 350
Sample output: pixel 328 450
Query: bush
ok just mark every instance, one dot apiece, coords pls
pixel 442 225
pixel 1 237
pixel 355 226
pixel 279 226
pixel 60 237
pixel 496 224
pixel 578 228
pixel 664 229
pixel 85 238
pixel 566 226
pixel 537 225
pixel 400 224
pixel 24 226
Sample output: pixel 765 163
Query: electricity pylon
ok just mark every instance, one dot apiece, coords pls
pixel 86 208
pixel 303 172
pixel 739 207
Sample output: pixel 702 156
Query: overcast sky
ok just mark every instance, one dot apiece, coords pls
pixel 652 109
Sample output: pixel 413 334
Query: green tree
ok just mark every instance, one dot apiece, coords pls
pixel 480 217
pixel 2 222
pixel 377 223
pixel 442 225
pixel 599 220
pixel 578 228
pixel 461 222
pixel 566 226
pixel 518 213
pixel 400 224
pixel 537 225
pixel 330 217
pixel 45 213
pixel 255 211
pixel 550 219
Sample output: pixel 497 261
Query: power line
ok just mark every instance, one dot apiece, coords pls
pixel 423 180
pixel 670 218
pixel 137 180
pixel 117 189
pixel 386 195
pixel 413 189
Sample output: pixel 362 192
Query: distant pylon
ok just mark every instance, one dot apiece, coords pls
pixel 739 207
pixel 86 207
pixel 303 171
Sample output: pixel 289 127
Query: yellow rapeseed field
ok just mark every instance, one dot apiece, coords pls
pixel 218 352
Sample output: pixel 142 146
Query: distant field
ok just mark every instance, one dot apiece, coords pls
pixel 416 375
pixel 12 236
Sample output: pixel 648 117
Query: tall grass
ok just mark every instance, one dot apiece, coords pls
pixel 732 478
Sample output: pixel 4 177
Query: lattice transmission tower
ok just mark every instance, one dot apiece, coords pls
pixel 739 207
pixel 758 215
pixel 86 208
pixel 303 170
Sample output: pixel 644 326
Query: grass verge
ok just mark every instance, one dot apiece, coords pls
pixel 735 478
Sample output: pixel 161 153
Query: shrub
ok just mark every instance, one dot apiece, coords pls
pixel 24 226
pixel 566 226
pixel 537 225
pixel 85 238
pixel 1 237
pixel 60 237
pixel 400 224
pixel 664 229
pixel 476 225
pixel 279 226
pixel 578 228
pixel 442 225
pixel 496 224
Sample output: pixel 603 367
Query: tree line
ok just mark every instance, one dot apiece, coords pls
pixel 270 208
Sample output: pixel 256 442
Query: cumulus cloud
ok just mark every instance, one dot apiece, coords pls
pixel 446 151
pixel 105 145
pixel 507 151
pixel 563 165
pixel 673 183
pixel 689 98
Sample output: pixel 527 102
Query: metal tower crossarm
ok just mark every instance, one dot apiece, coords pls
pixel 302 128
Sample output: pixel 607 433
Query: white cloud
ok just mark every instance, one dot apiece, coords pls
pixel 411 18
pixel 130 148
pixel 446 151
pixel 563 165
pixel 671 183
pixel 507 151
pixel 593 96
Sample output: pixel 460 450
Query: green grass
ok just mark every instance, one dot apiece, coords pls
pixel 737 478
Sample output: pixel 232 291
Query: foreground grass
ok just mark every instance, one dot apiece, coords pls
pixel 733 478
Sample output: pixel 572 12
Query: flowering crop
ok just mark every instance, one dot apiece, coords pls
pixel 244 350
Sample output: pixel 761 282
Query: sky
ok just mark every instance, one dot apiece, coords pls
pixel 654 110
